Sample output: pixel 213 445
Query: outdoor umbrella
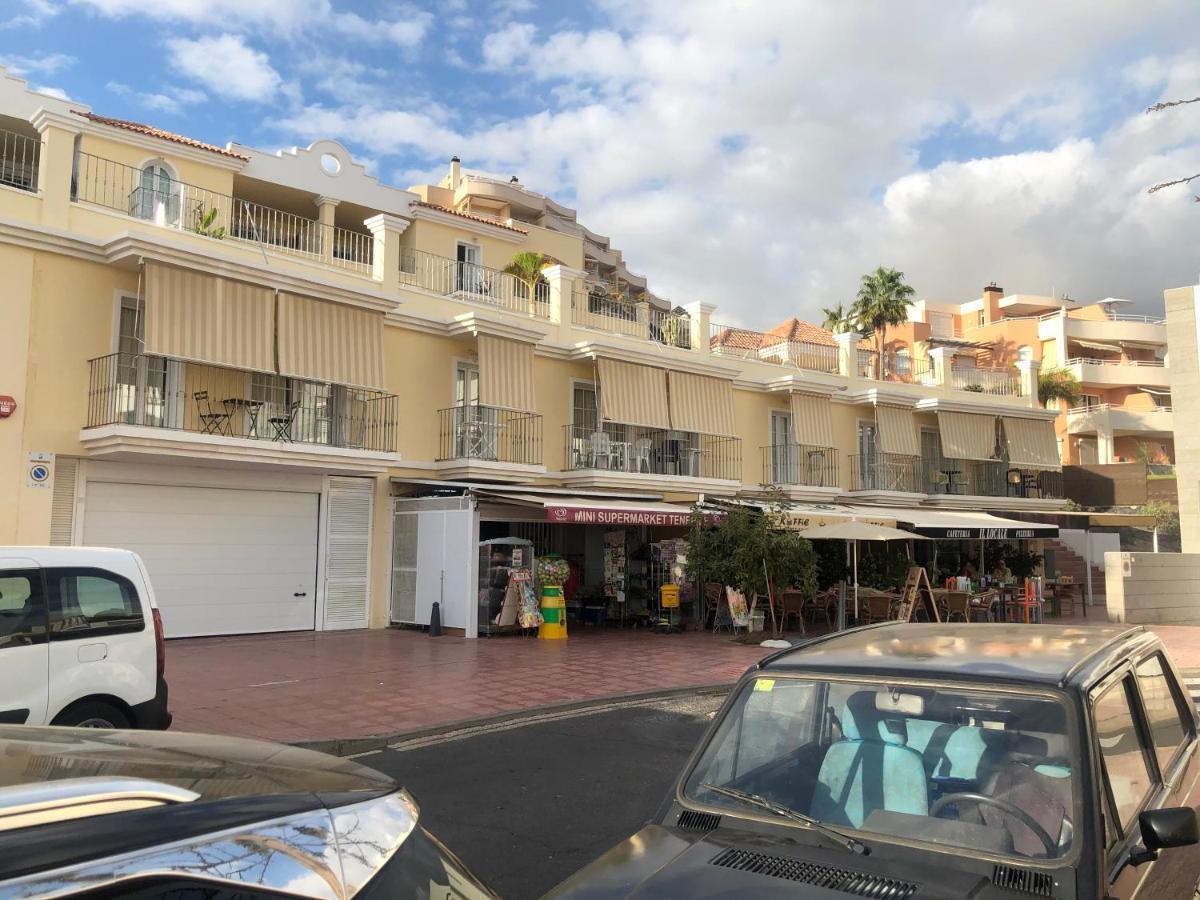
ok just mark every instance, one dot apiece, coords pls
pixel 854 531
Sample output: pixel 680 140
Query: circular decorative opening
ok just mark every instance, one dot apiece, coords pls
pixel 330 164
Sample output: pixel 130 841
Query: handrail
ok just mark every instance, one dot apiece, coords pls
pixel 1091 361
pixel 462 280
pixel 1080 410
pixel 19 158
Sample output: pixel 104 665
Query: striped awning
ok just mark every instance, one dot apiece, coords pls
pixel 506 373
pixel 632 394
pixel 967 435
pixel 1031 442
pixel 199 317
pixel 322 341
pixel 897 430
pixel 812 420
pixel 701 404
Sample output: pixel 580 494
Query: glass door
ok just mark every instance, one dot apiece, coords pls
pixel 868 456
pixel 140 392
pixel 469 272
pixel 783 451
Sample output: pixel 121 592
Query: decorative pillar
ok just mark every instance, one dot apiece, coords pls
pixel 1029 369
pixel 642 309
pixel 847 343
pixel 562 287
pixel 1104 442
pixel 943 362
pixel 700 314
pixel 326 207
pixel 56 165
pixel 385 258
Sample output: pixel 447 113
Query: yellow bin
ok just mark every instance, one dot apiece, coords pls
pixel 554 614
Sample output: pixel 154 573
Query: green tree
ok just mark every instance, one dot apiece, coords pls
pixel 835 319
pixel 527 267
pixel 1056 385
pixel 883 299
pixel 1167 515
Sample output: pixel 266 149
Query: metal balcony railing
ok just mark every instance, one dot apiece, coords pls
pixel 867 363
pixel 670 328
pixel 985 478
pixel 995 382
pixel 153 197
pixel 907 369
pixel 19 158
pixel 648 451
pixel 474 432
pixel 799 464
pixel 158 392
pixel 468 281
pixel 885 472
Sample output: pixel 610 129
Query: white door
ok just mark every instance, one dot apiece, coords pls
pixel 24 652
pixel 222 561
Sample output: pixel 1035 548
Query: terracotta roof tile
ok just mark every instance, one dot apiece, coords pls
pixel 455 212
pixel 151 131
pixel 790 331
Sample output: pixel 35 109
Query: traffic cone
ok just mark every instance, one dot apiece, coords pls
pixel 435 620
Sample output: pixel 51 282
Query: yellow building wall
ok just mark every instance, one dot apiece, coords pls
pixel 208 177
pixel 845 418
pixel 752 416
pixel 443 240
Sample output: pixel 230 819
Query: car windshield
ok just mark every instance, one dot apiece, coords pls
pixel 977 769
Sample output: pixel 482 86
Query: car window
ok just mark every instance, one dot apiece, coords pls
pixel 91 602
pixel 1126 764
pixel 22 608
pixel 1168 728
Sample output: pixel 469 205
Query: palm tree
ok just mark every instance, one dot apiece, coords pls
pixel 527 268
pixel 883 299
pixel 835 319
pixel 1058 385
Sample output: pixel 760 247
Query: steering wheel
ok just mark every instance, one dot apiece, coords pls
pixel 1004 806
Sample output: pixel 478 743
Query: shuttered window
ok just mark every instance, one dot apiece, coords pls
pixel 62 502
pixel 1031 442
pixel 897 431
pixel 506 373
pixel 348 552
pixel 701 404
pixel 967 435
pixel 322 341
pixel 632 394
pixel 812 420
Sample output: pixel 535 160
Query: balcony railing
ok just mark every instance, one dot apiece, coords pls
pixel 996 382
pixel 468 281
pixel 907 369
pixel 886 472
pixel 640 320
pixel 865 363
pixel 474 432
pixel 158 392
pixel 670 328
pixel 798 464
pixel 648 451
pixel 983 478
pixel 19 158
pixel 1092 361
pixel 185 207
pixel 742 343
pixel 1105 407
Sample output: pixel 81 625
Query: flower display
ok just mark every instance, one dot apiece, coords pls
pixel 553 571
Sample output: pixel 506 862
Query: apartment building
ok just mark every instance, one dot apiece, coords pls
pixel 308 399
pixel 1118 358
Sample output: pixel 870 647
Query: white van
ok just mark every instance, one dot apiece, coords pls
pixel 81 641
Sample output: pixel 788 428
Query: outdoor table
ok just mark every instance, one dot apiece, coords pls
pixel 252 408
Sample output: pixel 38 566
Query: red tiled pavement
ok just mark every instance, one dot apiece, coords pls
pixel 312 686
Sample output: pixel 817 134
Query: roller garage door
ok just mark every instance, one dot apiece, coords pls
pixel 222 561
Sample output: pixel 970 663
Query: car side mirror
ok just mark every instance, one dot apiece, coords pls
pixel 1172 826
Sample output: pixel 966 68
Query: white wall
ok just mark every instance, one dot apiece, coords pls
pixel 1153 588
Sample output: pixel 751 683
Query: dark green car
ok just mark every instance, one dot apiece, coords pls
pixel 942 761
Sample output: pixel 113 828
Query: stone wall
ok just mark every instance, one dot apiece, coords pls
pixel 1153 588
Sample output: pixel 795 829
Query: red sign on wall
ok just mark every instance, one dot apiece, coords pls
pixel 7 407
pixel 583 515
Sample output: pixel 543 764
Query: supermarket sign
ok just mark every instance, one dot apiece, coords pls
pixel 588 515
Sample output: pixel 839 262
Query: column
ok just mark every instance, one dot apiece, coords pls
pixel 385 259
pixel 1029 369
pixel 847 343
pixel 562 287
pixel 642 309
pixel 701 318
pixel 326 206
pixel 56 165
pixel 943 363
pixel 1104 443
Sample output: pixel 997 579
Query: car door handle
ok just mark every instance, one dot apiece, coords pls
pixel 301 594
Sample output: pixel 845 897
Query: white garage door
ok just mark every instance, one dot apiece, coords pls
pixel 222 561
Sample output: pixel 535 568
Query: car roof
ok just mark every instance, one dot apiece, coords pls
pixel 1042 654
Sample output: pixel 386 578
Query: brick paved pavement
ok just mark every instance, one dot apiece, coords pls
pixel 311 686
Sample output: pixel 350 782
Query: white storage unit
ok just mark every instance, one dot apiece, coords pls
pixel 222 560
pixel 434 551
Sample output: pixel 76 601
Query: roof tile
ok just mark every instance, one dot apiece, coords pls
pixel 455 212
pixel 151 131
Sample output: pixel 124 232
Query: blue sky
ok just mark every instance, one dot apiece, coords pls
pixel 755 154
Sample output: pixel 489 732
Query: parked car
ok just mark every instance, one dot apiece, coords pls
pixel 89 813
pixel 933 761
pixel 81 641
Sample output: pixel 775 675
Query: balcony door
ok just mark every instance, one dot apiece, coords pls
pixel 146 388
pixel 869 476
pixel 783 459
pixel 476 428
pixel 469 271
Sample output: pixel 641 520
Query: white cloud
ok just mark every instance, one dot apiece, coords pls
pixel 173 103
pixel 282 15
pixel 50 91
pixel 407 30
pixel 34 14
pixel 46 64
pixel 510 46
pixel 226 66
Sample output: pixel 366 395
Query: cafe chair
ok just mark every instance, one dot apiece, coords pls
pixel 281 426
pixel 956 606
pixel 602 449
pixel 1015 482
pixel 212 420
pixel 641 455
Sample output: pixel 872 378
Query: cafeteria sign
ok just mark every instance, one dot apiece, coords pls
pixel 987 534
pixel 589 515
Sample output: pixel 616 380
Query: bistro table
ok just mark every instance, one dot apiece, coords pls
pixel 251 407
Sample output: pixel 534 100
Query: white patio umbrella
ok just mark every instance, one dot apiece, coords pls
pixel 854 531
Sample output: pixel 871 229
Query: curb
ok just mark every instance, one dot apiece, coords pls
pixel 352 746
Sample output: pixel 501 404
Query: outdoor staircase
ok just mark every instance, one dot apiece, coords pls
pixel 1068 562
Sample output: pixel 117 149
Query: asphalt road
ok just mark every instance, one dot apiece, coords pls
pixel 526 806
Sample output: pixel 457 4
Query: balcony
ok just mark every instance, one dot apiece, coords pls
pixel 633 319
pixel 981 478
pixel 995 382
pixel 184 207
pixel 1115 328
pixel 886 472
pixel 489 434
pixel 157 404
pixel 1119 372
pixel 19 158
pixel 742 343
pixel 795 465
pixel 629 452
pixel 460 280
pixel 1119 420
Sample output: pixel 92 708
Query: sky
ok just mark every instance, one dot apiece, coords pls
pixel 760 155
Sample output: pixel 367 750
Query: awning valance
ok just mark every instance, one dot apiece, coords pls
pixel 632 394
pixel 1031 442
pixel 701 404
pixel 938 523
pixel 506 373
pixel 322 341
pixel 1096 345
pixel 812 420
pixel 897 431
pixel 198 317
pixel 967 435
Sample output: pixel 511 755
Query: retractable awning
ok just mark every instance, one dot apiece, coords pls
pixel 1157 392
pixel 567 510
pixel 808 515
pixel 1095 345
pixel 941 523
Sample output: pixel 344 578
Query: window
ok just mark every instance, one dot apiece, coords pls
pixel 469 275
pixel 156 197
pixel 1126 766
pixel 1091 401
pixel 91 602
pixel 585 415
pixel 1160 699
pixel 141 381
pixel 466 385
pixel 22 608
pixel 1024 352
pixel 982 320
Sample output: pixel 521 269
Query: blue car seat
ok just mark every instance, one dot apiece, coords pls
pixel 870 768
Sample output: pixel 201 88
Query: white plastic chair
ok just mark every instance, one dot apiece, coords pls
pixel 601 449
pixel 641 454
